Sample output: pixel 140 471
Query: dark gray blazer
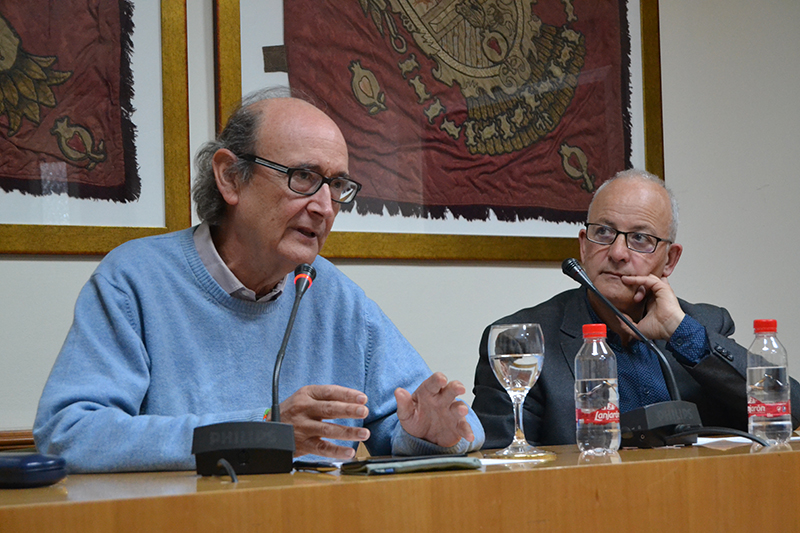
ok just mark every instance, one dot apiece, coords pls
pixel 717 385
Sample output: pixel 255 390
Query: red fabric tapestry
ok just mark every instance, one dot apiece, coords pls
pixel 65 91
pixel 513 106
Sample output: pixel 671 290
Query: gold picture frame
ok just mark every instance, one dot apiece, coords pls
pixel 414 246
pixel 94 240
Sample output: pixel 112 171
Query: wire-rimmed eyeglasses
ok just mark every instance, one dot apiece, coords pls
pixel 644 243
pixel 307 182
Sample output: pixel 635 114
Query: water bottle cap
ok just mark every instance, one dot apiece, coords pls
pixel 593 331
pixel 765 326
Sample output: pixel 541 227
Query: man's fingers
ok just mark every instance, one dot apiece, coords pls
pixel 465 430
pixel 404 403
pixel 324 448
pixel 333 410
pixel 458 428
pixel 456 388
pixel 309 439
pixel 459 411
pixel 309 408
pixel 329 449
pixel 459 408
pixel 641 293
pixel 434 383
pixel 336 393
pixel 649 280
pixel 322 402
pixel 438 388
pixel 321 410
pixel 313 428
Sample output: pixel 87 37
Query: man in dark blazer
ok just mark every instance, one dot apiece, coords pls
pixel 628 250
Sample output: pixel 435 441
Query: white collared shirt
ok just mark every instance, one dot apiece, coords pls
pixel 222 274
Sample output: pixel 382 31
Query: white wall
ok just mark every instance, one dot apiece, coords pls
pixel 732 135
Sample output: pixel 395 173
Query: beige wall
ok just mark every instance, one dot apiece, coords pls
pixel 731 72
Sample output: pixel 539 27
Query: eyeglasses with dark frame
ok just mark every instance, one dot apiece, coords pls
pixel 644 243
pixel 307 182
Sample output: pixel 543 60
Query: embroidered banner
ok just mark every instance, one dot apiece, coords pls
pixel 65 99
pixel 512 106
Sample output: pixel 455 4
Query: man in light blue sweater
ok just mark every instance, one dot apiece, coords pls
pixel 181 330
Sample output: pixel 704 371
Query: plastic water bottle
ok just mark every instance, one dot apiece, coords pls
pixel 596 394
pixel 769 412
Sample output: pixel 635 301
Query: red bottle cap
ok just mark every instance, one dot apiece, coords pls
pixel 765 326
pixel 594 331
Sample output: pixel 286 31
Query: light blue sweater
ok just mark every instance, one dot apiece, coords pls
pixel 157 348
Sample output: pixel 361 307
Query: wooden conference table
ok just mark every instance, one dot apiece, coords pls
pixel 672 489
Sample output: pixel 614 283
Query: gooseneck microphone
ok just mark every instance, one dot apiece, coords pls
pixel 304 276
pixel 659 424
pixel 254 447
pixel 573 269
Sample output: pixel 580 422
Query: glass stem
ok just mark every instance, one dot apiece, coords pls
pixel 519 433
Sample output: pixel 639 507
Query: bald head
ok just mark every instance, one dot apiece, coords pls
pixel 641 180
pixel 289 122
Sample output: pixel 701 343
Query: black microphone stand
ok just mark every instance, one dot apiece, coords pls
pixel 253 447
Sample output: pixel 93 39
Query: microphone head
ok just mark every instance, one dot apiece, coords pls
pixel 304 276
pixel 305 268
pixel 572 268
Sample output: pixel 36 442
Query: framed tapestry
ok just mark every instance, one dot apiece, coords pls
pixel 93 124
pixel 479 130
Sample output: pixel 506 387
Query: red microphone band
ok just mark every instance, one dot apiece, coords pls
pixel 304 275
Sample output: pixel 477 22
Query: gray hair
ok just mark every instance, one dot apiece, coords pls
pixel 635 173
pixel 239 136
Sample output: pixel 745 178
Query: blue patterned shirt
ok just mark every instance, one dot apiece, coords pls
pixel 641 381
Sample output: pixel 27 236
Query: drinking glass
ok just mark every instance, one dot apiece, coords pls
pixel 516 354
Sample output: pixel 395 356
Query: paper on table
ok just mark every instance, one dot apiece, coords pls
pixel 725 443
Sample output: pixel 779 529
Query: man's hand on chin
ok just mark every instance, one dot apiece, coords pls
pixel 663 314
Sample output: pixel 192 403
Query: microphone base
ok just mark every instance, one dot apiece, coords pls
pixel 652 426
pixel 250 447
